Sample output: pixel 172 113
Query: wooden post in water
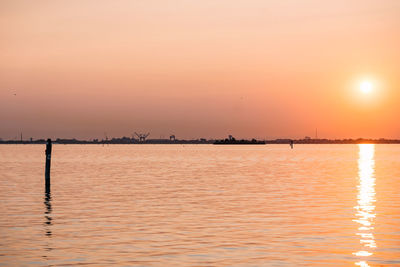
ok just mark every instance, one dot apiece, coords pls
pixel 48 163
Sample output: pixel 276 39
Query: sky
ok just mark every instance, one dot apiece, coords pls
pixel 199 69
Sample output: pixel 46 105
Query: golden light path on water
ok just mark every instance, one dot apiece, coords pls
pixel 365 210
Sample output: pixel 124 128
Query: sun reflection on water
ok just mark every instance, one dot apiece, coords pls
pixel 365 209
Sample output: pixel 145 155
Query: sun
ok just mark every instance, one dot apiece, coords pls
pixel 366 87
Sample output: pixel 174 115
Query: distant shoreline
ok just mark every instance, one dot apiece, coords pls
pixel 127 141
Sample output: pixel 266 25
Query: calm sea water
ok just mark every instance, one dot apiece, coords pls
pixel 201 205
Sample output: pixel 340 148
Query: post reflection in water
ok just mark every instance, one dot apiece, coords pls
pixel 48 219
pixel 365 209
pixel 47 213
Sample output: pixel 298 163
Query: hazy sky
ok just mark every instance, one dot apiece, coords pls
pixel 208 68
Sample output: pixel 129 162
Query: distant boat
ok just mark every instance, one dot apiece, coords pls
pixel 232 141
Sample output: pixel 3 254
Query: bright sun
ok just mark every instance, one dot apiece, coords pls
pixel 366 87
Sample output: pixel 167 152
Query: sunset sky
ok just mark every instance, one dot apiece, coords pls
pixel 250 68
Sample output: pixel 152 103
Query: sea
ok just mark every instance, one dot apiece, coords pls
pixel 200 205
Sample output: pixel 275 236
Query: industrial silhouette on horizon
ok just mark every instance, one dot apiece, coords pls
pixel 142 137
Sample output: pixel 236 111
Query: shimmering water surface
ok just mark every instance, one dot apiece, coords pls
pixel 201 205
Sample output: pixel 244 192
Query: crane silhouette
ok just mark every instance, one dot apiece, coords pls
pixel 106 141
pixel 142 137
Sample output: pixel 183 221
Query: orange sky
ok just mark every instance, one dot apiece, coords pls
pixel 265 69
